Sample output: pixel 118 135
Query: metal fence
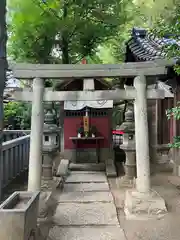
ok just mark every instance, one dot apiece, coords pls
pixel 15 159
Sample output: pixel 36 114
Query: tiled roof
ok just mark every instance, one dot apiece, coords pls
pixel 146 47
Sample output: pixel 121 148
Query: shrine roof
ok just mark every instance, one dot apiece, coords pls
pixel 144 46
pixel 62 84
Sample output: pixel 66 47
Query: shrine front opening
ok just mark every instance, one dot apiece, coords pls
pixel 86 124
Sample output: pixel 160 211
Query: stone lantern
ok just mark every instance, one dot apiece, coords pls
pixel 59 122
pixel 128 145
pixel 50 144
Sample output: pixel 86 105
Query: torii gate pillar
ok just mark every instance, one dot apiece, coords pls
pixel 142 202
pixel 37 123
pixel 142 138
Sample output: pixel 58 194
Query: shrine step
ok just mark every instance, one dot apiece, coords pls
pixel 87 233
pixel 87 167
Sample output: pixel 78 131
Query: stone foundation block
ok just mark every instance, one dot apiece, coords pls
pixel 110 168
pixel 46 196
pixel 63 168
pixel 87 167
pixel 125 182
pixel 144 206
pixel 44 202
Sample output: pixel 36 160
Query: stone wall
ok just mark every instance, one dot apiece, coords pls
pixel 86 155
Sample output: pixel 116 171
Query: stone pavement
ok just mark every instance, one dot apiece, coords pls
pixel 85 210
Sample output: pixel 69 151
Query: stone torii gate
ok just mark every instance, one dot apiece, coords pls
pixel 38 73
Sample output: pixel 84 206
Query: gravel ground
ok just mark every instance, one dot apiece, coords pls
pixel 166 228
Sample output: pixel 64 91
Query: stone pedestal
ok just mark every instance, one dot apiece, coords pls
pixel 144 206
pixel 110 168
pixel 50 144
pixel 130 164
pixel 129 145
pixel 47 172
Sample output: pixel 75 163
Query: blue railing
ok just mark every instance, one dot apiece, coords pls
pixel 13 134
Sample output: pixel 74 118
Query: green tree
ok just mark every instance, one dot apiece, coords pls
pixel 3 65
pixel 168 24
pixel 17 114
pixel 141 13
pixel 72 28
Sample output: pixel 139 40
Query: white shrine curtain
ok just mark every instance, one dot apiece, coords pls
pixel 78 105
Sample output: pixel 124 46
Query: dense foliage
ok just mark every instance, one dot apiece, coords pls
pixel 174 113
pixel 17 115
pixel 65 31
pixel 62 31
pixel 170 26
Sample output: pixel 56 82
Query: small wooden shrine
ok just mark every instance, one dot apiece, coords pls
pixel 86 124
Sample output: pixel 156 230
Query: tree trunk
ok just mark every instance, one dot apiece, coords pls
pixel 65 51
pixel 3 67
pixel 65 44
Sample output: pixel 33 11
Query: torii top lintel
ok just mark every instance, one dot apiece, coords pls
pixel 66 71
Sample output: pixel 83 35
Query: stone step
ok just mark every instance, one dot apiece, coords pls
pixel 87 233
pixel 84 197
pixel 87 166
pixel 86 187
pixel 88 172
pixel 81 214
pixel 86 178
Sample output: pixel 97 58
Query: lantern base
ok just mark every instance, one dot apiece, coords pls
pixel 51 185
pixel 47 166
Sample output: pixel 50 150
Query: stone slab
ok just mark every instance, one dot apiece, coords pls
pixel 86 178
pixel 75 214
pixel 85 197
pixel 110 168
pixel 44 201
pixel 88 172
pixel 111 171
pixel 63 168
pixel 144 206
pixel 87 167
pixel 89 187
pixel 87 233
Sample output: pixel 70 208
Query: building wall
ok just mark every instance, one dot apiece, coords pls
pixel 166 130
pixel 165 126
pixel 160 130
pixel 175 131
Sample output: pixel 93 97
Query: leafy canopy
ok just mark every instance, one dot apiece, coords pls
pixel 17 114
pixel 74 27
